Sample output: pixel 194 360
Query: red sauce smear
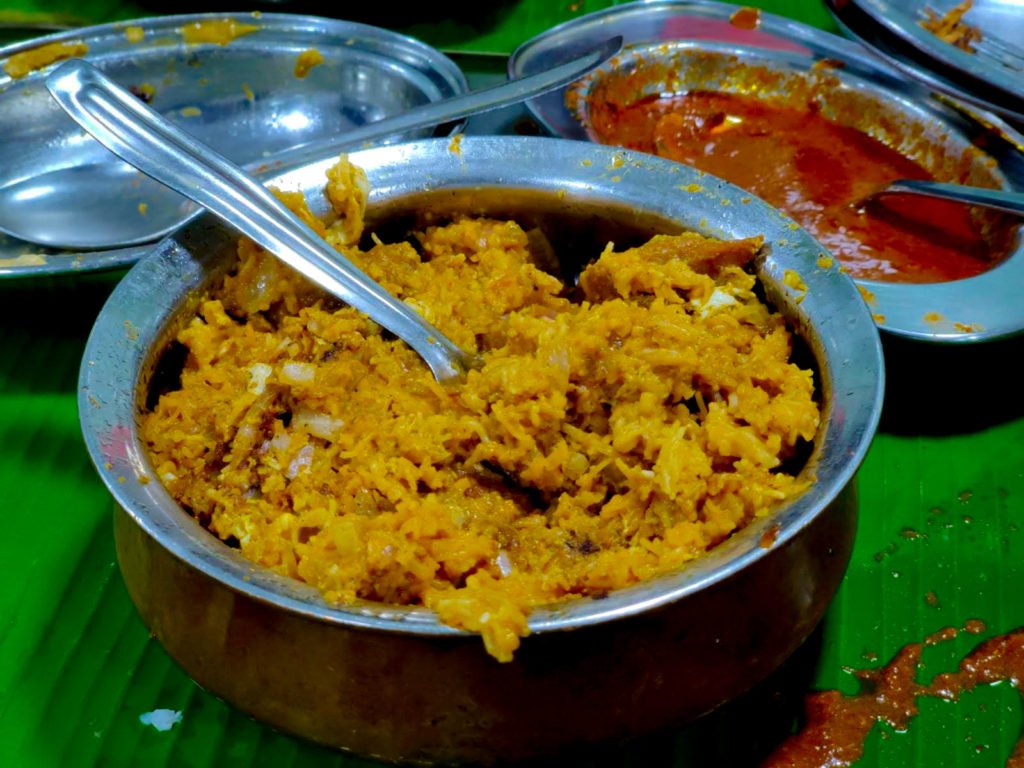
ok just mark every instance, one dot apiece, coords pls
pixel 838 724
pixel 815 170
pixel 746 18
pixel 768 538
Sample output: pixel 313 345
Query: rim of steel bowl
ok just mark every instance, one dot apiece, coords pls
pixel 140 316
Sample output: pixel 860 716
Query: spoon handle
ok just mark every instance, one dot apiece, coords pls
pixel 158 148
pixel 1010 202
pixel 457 107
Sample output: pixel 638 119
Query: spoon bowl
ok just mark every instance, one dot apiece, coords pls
pixel 36 209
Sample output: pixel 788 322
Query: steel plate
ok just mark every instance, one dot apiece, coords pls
pixel 977 309
pixel 992 78
pixel 243 98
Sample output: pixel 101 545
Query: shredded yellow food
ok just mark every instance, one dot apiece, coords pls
pixel 606 439
pixel 951 28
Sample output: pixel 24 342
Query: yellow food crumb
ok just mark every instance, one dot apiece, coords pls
pixel 308 59
pixel 219 31
pixel 792 279
pixel 190 112
pixel 692 188
pixel 878 318
pixel 455 145
pixel 601 443
pixel 825 262
pixel 969 327
pixel 143 208
pixel 24 260
pixel 933 317
pixel 248 92
pixel 21 64
pixel 865 294
pixel 951 28
pixel 746 18
pixel 134 34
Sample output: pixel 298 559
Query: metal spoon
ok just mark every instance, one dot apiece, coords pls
pixel 158 148
pixel 53 210
pixel 1009 202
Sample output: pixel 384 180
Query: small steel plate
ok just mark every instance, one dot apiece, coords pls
pixel 243 98
pixel 980 308
pixel 992 77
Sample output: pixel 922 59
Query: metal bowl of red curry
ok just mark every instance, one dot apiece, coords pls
pixel 942 274
pixel 395 683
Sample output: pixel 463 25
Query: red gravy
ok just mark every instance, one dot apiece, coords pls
pixel 813 169
pixel 838 724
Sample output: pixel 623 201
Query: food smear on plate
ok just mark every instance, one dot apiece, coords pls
pixel 814 169
pixel 145 92
pixel 616 430
pixel 217 31
pixel 746 18
pixel 951 28
pixel 134 34
pixel 306 60
pixel 21 64
pixel 837 724
pixel 23 260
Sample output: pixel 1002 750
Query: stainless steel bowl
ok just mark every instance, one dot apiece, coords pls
pixel 979 308
pixel 394 682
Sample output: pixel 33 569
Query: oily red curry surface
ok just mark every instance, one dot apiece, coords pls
pixel 813 169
